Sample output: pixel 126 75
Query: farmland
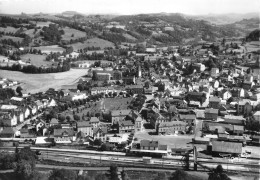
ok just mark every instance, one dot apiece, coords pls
pixel 49 49
pixel 36 60
pixel 41 82
pixel 70 33
pixel 94 42
pixel 15 39
pixel 8 29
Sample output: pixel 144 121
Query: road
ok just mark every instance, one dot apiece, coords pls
pixel 18 127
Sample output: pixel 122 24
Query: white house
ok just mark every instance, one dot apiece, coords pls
pixel 257 116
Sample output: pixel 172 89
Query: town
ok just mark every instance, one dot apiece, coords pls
pixel 143 100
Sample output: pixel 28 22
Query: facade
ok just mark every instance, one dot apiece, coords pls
pixel 139 124
pixel 63 135
pixel 149 145
pixel 214 102
pixel 171 127
pixel 257 116
pixel 85 127
pixel 235 120
pixel 135 89
pixel 211 114
pixel 126 126
pixel 118 115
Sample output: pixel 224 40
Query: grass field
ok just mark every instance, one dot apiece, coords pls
pixel 41 82
pixel 36 60
pixel 68 32
pixel 49 49
pixel 41 23
pixel 8 29
pixel 128 36
pixel 15 39
pixel 96 42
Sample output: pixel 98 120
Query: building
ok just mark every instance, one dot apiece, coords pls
pixel 222 147
pixel 211 114
pixel 257 116
pixel 85 127
pixel 100 133
pixel 214 102
pixel 103 76
pixel 244 106
pixel 188 118
pixel 135 89
pixel 149 145
pixel 94 122
pixel 129 80
pixel 171 127
pixel 117 75
pixel 235 120
pixel 214 72
pixel 118 115
pixel 139 124
pixel 125 126
pixel 7 132
pixel 63 135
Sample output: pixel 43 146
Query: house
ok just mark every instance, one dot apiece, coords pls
pixel 226 147
pixel 33 109
pixel 129 80
pixel 225 94
pixel 139 124
pixel 257 116
pixel 211 114
pixel 149 145
pixel 157 119
pixel 125 126
pixel 196 96
pixel 17 100
pixel 118 115
pixel 54 122
pixel 85 127
pixel 235 120
pixel 244 106
pixel 63 135
pixel 135 89
pixel 7 132
pixel 188 118
pixel 25 133
pixel 171 127
pixel 26 112
pixel 214 72
pixel 214 102
pixel 8 119
pixel 100 133
pixel 94 121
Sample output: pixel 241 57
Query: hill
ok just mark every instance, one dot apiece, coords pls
pixel 254 35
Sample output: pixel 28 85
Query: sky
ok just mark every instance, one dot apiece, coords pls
pixel 190 7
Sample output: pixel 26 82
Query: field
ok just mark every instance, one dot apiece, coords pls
pixel 49 49
pixel 15 39
pixel 69 32
pixel 253 46
pixel 96 42
pixel 128 36
pixel 41 82
pixel 8 29
pixel 36 60
pixel 41 23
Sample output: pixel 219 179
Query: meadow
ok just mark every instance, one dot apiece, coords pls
pixel 36 59
pixel 70 33
pixel 32 83
pixel 94 42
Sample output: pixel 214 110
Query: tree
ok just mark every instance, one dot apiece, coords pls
pixel 218 174
pixel 76 117
pixel 124 175
pixel 80 87
pixel 24 170
pixel 59 174
pixel 113 172
pixel 97 142
pixel 179 175
pixel 19 91
pixel 94 76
